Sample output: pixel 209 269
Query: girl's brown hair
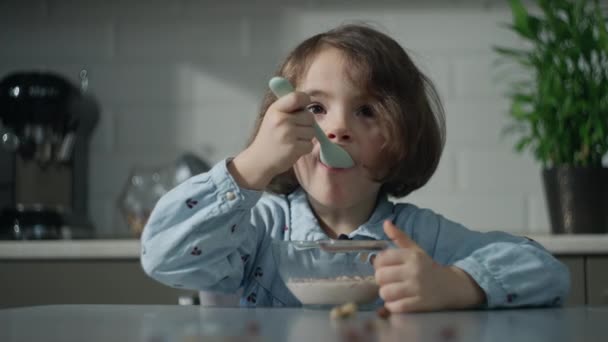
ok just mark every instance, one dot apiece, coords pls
pixel 405 99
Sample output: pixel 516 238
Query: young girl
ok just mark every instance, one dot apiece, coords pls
pixel 213 232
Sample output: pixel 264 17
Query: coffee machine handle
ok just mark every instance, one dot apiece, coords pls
pixel 67 147
pixel 84 80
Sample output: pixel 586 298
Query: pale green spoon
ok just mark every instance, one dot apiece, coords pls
pixel 331 154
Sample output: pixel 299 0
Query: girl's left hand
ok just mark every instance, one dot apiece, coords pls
pixel 410 280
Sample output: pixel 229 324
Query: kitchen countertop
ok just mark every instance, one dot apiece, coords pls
pixel 195 323
pixel 129 248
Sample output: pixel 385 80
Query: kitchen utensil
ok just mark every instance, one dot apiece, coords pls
pixel 336 246
pixel 331 154
pixel 147 184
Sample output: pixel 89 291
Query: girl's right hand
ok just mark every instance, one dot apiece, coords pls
pixel 284 136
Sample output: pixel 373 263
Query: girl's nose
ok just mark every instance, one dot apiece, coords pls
pixel 337 126
pixel 339 135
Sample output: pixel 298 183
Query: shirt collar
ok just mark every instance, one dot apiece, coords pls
pixel 305 226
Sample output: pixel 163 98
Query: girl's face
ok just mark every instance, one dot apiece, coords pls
pixel 343 112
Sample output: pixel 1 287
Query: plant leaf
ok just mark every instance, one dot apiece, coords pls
pixel 560 109
pixel 520 18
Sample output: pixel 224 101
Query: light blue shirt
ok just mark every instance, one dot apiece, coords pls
pixel 210 234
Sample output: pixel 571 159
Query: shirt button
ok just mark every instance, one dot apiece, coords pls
pixel 230 195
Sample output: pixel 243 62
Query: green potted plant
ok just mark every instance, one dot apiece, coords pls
pixel 560 107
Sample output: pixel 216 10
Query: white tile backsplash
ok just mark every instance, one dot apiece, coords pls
pixel 189 75
pixel 56 40
pixel 158 121
pixel 478 212
pixel 17 10
pixel 109 171
pixel 220 129
pixel 495 170
pixel 538 220
pixel 181 40
pixel 438 68
pixel 477 122
pixel 111 10
pixel 103 136
pixel 444 178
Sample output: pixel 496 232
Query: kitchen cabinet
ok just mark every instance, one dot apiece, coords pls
pixel 109 272
pixel 576 264
pixel 597 280
pixel 589 276
pixel 43 282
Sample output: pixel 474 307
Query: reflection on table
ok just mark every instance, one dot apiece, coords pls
pixel 195 323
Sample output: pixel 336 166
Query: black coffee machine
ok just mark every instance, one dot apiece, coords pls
pixel 45 128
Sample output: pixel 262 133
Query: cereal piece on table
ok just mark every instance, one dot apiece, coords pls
pixel 343 311
pixel 383 312
pixel 336 313
pixel 349 309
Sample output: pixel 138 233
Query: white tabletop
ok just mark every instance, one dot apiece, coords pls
pixel 194 323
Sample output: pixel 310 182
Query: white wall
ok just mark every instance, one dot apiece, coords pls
pixel 188 75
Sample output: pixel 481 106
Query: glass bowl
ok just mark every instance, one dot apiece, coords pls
pixel 146 185
pixel 323 274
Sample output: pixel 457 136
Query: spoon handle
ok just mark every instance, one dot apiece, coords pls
pixel 281 87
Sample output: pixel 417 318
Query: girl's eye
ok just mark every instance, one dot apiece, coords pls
pixel 365 111
pixel 315 109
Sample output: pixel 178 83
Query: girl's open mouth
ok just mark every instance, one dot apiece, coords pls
pixel 333 169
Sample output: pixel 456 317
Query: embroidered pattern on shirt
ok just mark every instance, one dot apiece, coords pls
pixel 191 203
pixel 252 298
pixel 557 300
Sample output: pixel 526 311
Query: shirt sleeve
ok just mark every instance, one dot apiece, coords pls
pixel 513 271
pixel 199 235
